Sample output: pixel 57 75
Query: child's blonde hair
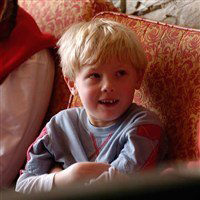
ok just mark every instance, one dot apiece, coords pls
pixel 96 42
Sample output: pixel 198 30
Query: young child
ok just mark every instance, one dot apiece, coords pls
pixel 102 62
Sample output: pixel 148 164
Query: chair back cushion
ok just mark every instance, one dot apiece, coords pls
pixel 54 16
pixel 171 86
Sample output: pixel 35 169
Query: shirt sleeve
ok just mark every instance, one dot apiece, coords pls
pixel 35 177
pixel 28 183
pixel 141 151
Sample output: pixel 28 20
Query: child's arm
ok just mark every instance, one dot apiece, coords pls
pixel 35 177
pixel 142 149
pixel 79 173
pixel 140 152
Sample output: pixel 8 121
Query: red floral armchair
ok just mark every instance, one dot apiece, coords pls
pixel 171 86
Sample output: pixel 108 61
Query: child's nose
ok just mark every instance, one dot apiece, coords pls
pixel 108 86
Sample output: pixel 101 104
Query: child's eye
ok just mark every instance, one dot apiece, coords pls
pixel 121 73
pixel 94 76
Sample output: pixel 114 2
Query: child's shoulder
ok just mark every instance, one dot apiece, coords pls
pixel 69 112
pixel 140 115
pixel 66 118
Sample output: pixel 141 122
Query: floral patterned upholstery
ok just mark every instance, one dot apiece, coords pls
pixel 54 16
pixel 171 85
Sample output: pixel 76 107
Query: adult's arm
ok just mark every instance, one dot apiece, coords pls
pixel 24 98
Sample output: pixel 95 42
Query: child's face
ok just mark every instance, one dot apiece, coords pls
pixel 106 91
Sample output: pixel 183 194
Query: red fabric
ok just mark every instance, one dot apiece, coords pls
pixel 152 132
pixel 198 134
pixel 2 2
pixel 25 40
pixel 98 148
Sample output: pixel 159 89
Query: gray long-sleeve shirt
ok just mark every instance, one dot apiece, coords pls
pixel 129 145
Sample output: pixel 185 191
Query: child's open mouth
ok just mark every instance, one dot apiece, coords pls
pixel 109 102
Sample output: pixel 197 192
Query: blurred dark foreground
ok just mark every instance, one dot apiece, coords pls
pixel 184 183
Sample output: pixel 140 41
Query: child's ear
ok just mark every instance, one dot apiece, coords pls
pixel 140 76
pixel 71 85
